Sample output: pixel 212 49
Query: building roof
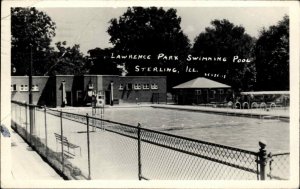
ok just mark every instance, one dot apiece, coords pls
pixel 201 82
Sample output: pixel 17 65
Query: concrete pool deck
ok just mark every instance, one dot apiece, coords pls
pixel 277 113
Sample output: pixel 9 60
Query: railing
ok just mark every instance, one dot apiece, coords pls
pixel 112 150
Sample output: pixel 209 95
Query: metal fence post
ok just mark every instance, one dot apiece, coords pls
pixel 33 134
pixel 19 120
pixel 166 98
pixel 31 126
pixel 62 142
pixel 262 160
pixel 139 151
pixel 88 145
pixel 20 109
pixel 15 115
pixel 46 134
pixel 26 122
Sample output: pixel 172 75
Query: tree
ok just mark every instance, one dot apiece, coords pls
pixel 272 57
pixel 226 40
pixel 149 31
pixel 32 32
pixel 101 63
pixel 68 61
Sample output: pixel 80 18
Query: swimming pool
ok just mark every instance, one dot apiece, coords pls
pixel 241 132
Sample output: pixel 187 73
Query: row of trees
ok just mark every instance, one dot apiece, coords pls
pixel 32 32
pixel 152 31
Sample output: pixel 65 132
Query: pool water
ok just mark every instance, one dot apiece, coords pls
pixel 240 132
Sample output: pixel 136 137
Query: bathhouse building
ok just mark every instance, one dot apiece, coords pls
pixel 70 90
pixel 202 91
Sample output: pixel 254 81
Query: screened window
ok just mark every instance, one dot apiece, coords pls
pixel 154 86
pixel 146 86
pixel 137 86
pixel 23 87
pixel 35 88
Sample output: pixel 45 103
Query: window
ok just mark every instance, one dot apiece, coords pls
pixel 221 91
pixel 146 86
pixel 35 88
pixel 13 87
pixel 212 94
pixel 24 88
pixel 137 86
pixel 129 86
pixel 154 86
pixel 198 92
pixel 229 91
pixel 121 87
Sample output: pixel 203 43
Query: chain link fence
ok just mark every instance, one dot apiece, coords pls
pixel 200 159
pixel 85 147
pixel 278 166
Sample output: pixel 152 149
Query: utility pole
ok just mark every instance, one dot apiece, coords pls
pixel 30 86
pixel 30 76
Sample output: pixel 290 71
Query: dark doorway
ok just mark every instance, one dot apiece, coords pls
pixel 79 98
pixel 69 98
pixel 107 97
pixel 155 98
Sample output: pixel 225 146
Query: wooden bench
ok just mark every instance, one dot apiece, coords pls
pixel 63 140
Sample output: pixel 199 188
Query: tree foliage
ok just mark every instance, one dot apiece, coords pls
pixel 101 63
pixel 272 54
pixel 32 32
pixel 224 39
pixel 68 60
pixel 148 31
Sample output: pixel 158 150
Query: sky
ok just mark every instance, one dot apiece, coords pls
pixel 88 26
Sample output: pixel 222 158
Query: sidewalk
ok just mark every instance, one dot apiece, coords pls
pixel 27 164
